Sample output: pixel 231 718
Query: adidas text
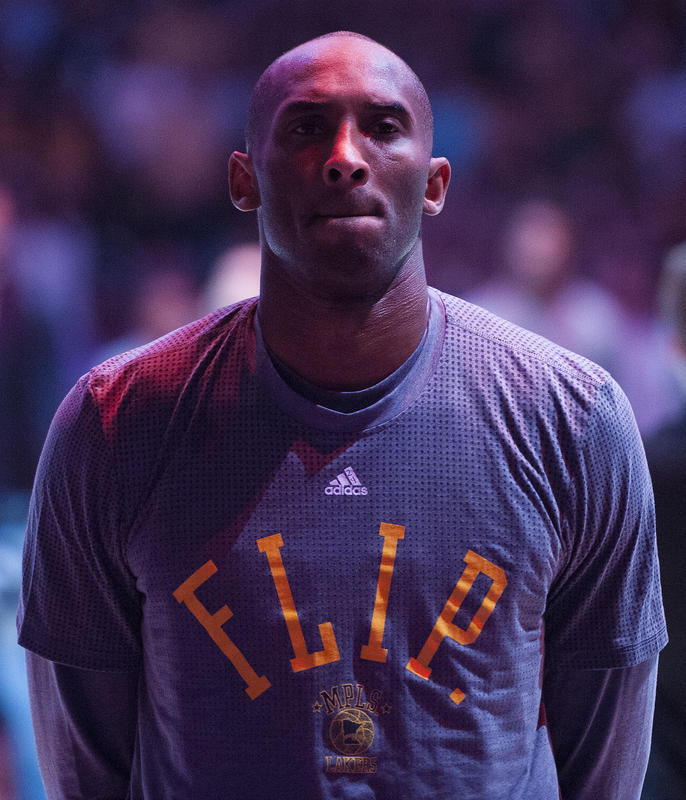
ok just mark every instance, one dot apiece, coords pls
pixel 345 490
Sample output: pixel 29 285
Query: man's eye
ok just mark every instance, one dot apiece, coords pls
pixel 384 128
pixel 307 128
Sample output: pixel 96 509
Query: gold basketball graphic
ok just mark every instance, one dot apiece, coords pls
pixel 351 732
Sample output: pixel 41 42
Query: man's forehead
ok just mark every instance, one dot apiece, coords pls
pixel 331 65
pixel 319 68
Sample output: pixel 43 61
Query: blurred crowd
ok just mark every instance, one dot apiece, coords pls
pixel 564 121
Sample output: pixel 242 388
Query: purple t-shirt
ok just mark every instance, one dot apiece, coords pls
pixel 343 604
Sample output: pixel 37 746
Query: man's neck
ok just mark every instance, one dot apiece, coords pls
pixel 348 344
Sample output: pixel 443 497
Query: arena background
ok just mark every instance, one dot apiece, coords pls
pixel 565 123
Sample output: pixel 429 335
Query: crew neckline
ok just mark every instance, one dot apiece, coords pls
pixel 350 401
pixel 367 408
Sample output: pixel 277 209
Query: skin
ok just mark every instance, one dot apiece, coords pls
pixel 339 186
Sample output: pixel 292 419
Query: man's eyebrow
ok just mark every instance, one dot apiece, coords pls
pixel 313 106
pixel 303 107
pixel 389 108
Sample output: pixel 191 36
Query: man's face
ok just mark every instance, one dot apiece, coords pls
pixel 341 164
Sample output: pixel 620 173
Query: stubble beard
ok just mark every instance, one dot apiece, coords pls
pixel 352 275
pixel 355 270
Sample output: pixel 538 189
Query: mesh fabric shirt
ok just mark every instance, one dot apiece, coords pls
pixel 332 604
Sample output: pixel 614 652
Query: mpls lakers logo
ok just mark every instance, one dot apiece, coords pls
pixel 350 729
pixel 346 483
pixel 351 732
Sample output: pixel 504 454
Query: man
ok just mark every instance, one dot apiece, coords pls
pixel 319 546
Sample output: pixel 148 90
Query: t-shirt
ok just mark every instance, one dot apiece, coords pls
pixel 343 604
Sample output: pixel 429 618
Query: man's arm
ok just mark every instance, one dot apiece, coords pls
pixel 600 721
pixel 85 727
pixel 604 622
pixel 80 608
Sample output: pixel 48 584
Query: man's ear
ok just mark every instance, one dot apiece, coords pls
pixel 436 186
pixel 245 194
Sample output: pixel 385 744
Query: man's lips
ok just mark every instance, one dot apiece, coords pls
pixel 345 214
pixel 338 220
pixel 348 208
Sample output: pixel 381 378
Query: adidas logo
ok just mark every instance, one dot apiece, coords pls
pixel 346 483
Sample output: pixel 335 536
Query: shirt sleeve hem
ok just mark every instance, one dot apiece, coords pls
pixel 80 658
pixel 614 658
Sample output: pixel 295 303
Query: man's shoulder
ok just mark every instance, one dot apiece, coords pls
pixel 162 368
pixel 488 337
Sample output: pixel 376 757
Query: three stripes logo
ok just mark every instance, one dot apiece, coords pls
pixel 346 483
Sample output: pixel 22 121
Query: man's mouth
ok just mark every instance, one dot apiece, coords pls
pixel 346 219
pixel 348 208
pixel 346 214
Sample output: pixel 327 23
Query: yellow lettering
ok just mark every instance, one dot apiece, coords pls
pixel 271 547
pixel 348 693
pixel 372 651
pixel 212 623
pixel 355 764
pixel 444 624
pixel 331 701
pixel 358 699
pixel 374 701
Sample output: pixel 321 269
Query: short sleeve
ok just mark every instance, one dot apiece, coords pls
pixel 605 607
pixel 79 603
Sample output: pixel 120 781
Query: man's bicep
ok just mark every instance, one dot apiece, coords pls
pixel 85 727
pixel 604 607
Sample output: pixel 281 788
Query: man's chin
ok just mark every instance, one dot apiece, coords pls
pixel 350 273
pixel 354 234
pixel 348 255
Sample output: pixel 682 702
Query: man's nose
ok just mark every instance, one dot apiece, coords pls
pixel 346 166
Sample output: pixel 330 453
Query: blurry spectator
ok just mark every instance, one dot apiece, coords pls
pixel 666 451
pixel 540 290
pixel 166 298
pixel 53 247
pixel 165 108
pixel 235 276
pixel 28 30
pixel 654 110
pixel 643 370
pixel 27 401
pixel 53 270
pixel 21 766
pixel 29 390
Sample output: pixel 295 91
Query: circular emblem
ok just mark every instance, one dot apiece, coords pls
pixel 351 732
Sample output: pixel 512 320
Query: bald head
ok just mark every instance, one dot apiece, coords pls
pixel 270 86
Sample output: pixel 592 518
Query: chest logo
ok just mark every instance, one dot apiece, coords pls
pixel 351 732
pixel 349 712
pixel 346 483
